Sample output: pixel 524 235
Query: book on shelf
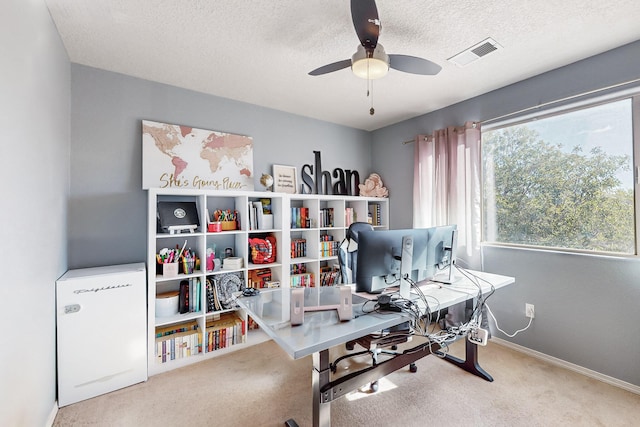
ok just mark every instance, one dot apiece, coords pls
pixel 328 246
pixel 302 280
pixel 374 214
pixel 260 216
pixel 224 332
pixel 183 299
pixel 300 217
pixel 266 205
pixel 349 216
pixel 298 268
pixel 326 217
pixel 251 324
pixel 178 346
pixel 329 275
pixel 252 217
pixel 189 297
pixel 298 248
pixel 191 325
pixel 259 277
pixel 210 291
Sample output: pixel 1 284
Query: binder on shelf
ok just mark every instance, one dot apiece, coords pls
pixel 263 220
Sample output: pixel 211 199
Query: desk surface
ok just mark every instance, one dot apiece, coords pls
pixel 322 329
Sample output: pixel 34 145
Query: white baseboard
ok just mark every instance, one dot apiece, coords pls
pixel 52 415
pixel 572 367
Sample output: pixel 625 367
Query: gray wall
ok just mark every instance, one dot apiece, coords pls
pixel 107 213
pixel 584 304
pixel 34 118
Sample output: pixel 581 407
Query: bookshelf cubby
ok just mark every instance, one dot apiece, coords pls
pixel 321 221
pixel 213 327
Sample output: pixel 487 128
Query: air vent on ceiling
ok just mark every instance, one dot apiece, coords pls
pixel 475 52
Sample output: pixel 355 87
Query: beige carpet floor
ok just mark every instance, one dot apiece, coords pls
pixel 262 386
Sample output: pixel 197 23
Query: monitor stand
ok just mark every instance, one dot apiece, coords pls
pixel 406 262
pixel 450 277
pixel 177 229
pixel 344 306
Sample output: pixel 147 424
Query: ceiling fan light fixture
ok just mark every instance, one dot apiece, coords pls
pixel 370 68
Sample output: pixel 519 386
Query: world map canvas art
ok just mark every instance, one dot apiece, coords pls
pixel 176 156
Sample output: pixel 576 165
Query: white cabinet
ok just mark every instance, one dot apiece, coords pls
pixel 101 330
pixel 206 330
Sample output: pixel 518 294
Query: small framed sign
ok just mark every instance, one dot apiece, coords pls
pixel 285 179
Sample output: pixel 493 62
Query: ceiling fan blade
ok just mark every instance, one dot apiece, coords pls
pixel 413 65
pixel 330 68
pixel 364 14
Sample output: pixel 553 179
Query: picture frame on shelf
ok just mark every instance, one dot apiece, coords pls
pixel 285 179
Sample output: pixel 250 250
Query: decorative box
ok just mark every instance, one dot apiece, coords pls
pixel 228 225
pixel 167 304
pixel 232 263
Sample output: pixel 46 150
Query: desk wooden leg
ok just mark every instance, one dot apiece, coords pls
pixel 321 376
pixel 470 364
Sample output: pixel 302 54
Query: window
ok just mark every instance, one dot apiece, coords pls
pixel 563 180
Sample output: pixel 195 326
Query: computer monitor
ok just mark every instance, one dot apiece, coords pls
pixel 441 253
pixel 380 254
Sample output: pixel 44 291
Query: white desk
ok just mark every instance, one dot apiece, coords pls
pixel 322 330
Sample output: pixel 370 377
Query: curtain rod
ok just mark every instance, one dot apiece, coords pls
pixel 546 104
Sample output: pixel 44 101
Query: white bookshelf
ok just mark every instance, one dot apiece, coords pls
pixel 198 241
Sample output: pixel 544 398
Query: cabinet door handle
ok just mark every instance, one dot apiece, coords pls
pixel 71 308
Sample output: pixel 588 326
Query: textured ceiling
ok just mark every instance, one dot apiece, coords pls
pixel 260 51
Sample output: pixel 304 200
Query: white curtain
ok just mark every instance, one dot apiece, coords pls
pixel 446 186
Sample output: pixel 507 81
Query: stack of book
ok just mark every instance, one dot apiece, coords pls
pixel 328 247
pixel 302 280
pixel 298 248
pixel 349 216
pixel 189 300
pixel 329 276
pixel 374 214
pixel 298 268
pixel 300 217
pixel 224 332
pixel 259 277
pixel 326 217
pixel 177 341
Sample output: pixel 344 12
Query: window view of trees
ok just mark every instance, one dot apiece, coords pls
pixel 556 195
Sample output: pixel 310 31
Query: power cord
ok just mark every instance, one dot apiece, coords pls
pixel 498 327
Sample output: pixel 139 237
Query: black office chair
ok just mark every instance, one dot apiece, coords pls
pixel 374 344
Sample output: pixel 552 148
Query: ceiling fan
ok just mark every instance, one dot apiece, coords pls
pixel 370 60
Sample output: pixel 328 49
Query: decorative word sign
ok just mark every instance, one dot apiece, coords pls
pixel 175 156
pixel 347 182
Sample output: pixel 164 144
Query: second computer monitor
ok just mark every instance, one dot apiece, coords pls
pixel 380 255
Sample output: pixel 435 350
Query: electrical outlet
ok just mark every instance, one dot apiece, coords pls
pixel 478 336
pixel 529 310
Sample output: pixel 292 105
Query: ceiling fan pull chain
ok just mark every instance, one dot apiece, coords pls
pixel 371 110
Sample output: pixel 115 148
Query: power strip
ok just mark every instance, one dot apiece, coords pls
pixel 478 336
